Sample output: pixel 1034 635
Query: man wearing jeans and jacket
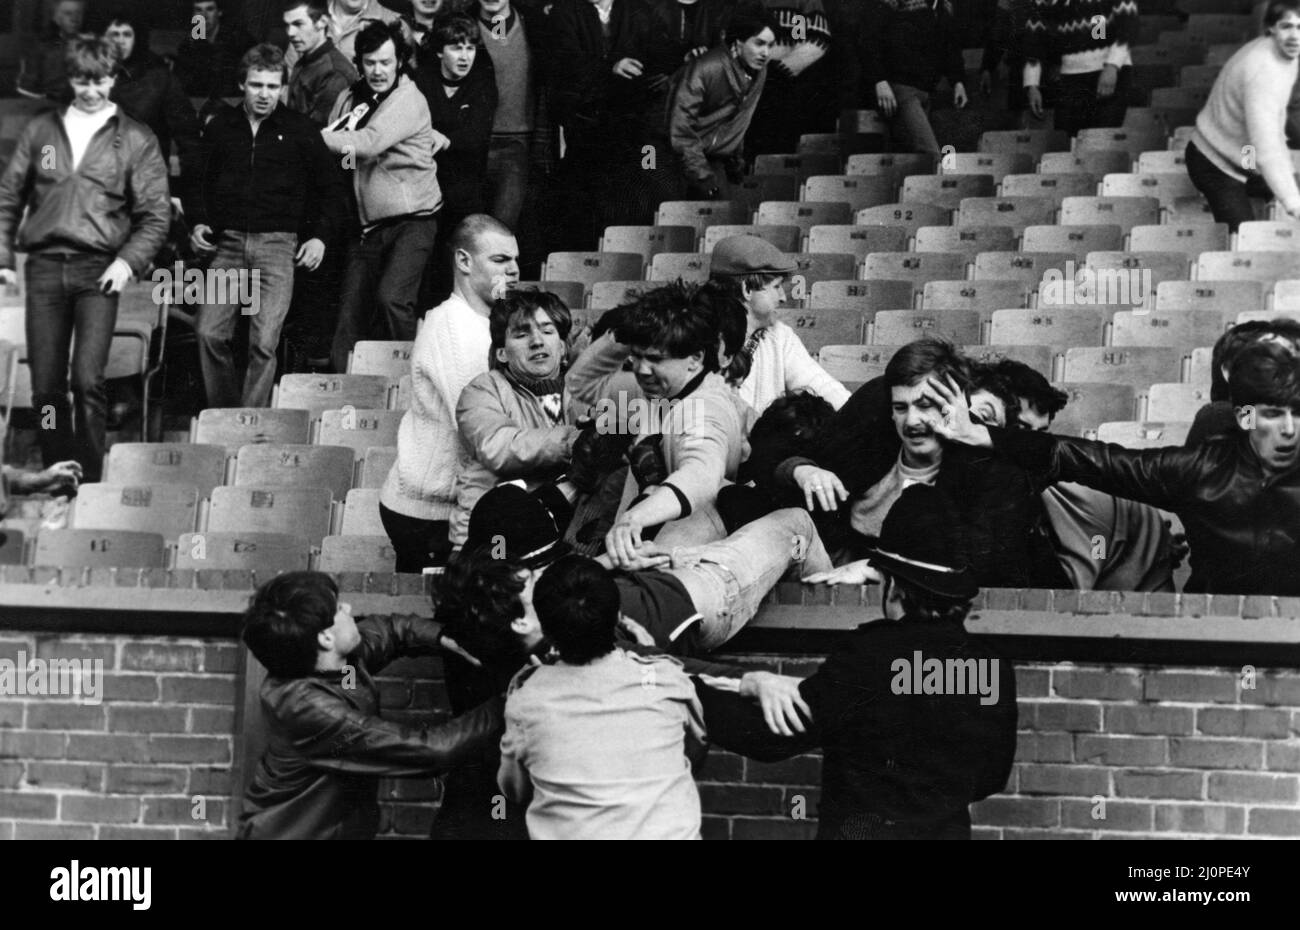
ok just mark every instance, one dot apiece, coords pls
pixel 268 183
pixel 94 188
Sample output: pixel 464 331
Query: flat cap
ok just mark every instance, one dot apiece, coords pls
pixel 737 255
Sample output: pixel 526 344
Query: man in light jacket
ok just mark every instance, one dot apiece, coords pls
pixel 382 130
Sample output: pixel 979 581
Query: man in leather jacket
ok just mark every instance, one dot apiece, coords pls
pixel 1237 495
pixel 327 746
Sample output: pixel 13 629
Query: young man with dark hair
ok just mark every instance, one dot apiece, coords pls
pixel 320 72
pixel 208 58
pixel 85 195
pixel 1217 417
pixel 327 746
pixel 599 744
pixel 347 18
pixel 1236 495
pixel 267 199
pixel 798 97
pixel 774 360
pixel 883 441
pixel 713 101
pixel 904 755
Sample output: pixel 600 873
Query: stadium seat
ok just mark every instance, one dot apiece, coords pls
pixel 1090 405
pixel 700 213
pixel 1198 371
pixel 899 327
pixel 1132 141
pixel 817 328
pixel 1124 212
pixel 1035 142
pixel 1146 76
pixel 1179 138
pixel 573 293
pixel 856 240
pixel 785 238
pixel 296 511
pixel 804 214
pixel 1247 316
pixel 858 191
pixel 1078 240
pixel 1165 187
pixel 860 295
pixel 1223 296
pixel 1161 161
pixel 163 508
pixel 824 266
pixel 1039 358
pixel 841 143
pixel 1133 366
pixel 946 191
pixel 402 395
pixel 984 296
pixel 917 267
pixel 689 266
pixel 589 267
pixel 755 188
pixel 1089 164
pixel 1284 295
pixel 854 366
pixel 1267 236
pixel 357 554
pixel 1025 267
pixel 316 393
pixel 74 549
pixel 1183 211
pixel 376 463
pixel 1265 267
pixel 233 427
pixel 390 359
pixel 893 165
pixel 159 463
pixel 13 546
pixel 1179 328
pixel 648 241
pixel 1053 187
pixel 359 430
pixel 1176 54
pixel 966 240
pixel 908 216
pixel 1183 98
pixel 1148 434
pixel 996 164
pixel 1175 401
pixel 1058 328
pixel 608 294
pixel 1189 238
pixel 862 121
pixel 799 165
pixel 361 514
pixel 1198 75
pixel 268 554
pixel 1163 266
pixel 300 466
pixel 1016 212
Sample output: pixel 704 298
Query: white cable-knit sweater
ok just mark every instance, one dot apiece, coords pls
pixel 450 351
pixel 781 363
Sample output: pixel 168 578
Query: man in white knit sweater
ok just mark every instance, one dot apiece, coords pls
pixel 753 271
pixel 451 350
pixel 1241 132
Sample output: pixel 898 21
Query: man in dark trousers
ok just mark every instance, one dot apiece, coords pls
pixel 916 717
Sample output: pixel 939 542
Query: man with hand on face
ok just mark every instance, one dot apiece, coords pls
pixel 1237 496
pixel 382 131
pixel 269 196
pixel 85 195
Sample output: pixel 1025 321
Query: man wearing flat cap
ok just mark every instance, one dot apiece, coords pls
pixel 916 717
pixel 753 271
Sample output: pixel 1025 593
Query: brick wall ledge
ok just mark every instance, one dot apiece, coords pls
pixel 1026 625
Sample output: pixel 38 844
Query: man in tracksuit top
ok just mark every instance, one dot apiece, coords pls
pixel 269 195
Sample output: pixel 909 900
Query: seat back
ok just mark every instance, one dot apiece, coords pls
pixel 1223 296
pixel 860 295
pixel 1078 240
pixel 153 463
pixel 965 240
pixel 298 466
pixel 80 548
pixel 856 240
pixel 268 554
pixel 899 327
pixel 361 514
pixel 946 191
pixel 357 554
pixel 390 359
pixel 233 427
pixel 648 241
pixel 359 430
pixel 984 296
pixel 1134 366
pixel 375 466
pixel 909 216
pixel 1091 404
pixel 296 511
pixel 161 508
pixel 316 393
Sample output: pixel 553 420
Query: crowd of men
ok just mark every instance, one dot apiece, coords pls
pixel 608 507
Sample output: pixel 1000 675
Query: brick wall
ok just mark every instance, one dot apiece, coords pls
pixel 1173 752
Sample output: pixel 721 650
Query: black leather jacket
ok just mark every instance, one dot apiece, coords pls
pixel 1243 524
pixel 327 747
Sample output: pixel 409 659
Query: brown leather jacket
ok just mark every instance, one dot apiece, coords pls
pixel 115 203
pixel 327 747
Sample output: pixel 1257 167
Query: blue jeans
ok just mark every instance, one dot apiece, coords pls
pixel 383 268
pixel 507 176
pixel 63 299
pixel 727 580
pixel 270 255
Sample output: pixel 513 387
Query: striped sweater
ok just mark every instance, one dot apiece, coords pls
pixel 1081 35
pixel 798 21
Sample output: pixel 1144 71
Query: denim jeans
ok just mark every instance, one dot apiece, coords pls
pixel 270 255
pixel 507 176
pixel 383 271
pixel 62 300
pixel 727 580
pixel 1229 198
pixel 910 127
